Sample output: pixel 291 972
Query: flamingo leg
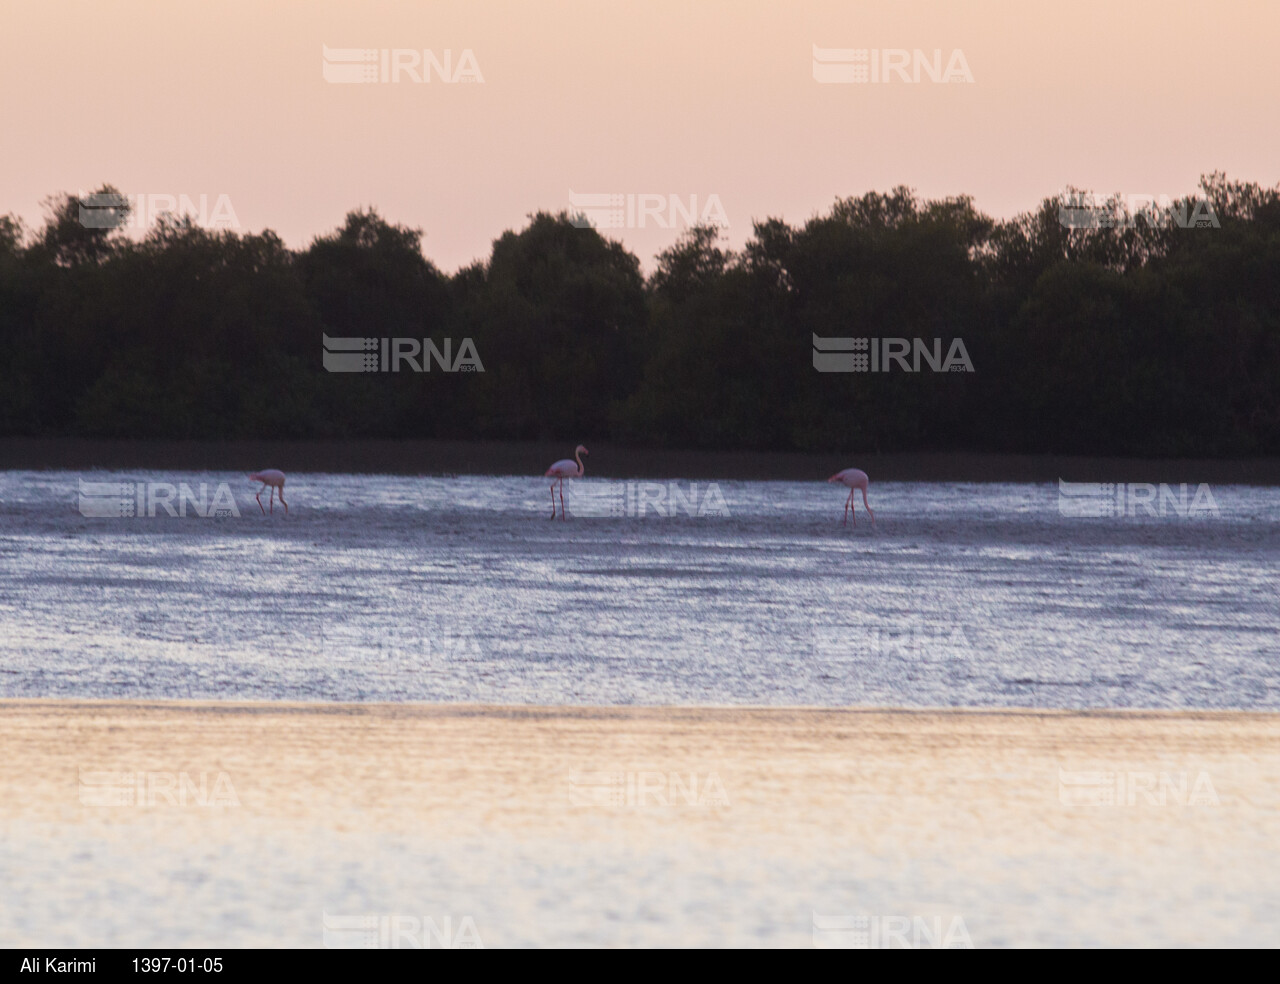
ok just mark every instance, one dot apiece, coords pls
pixel 868 505
pixel 282 502
pixel 553 500
pixel 563 518
pixel 271 500
pixel 259 498
pixel 846 510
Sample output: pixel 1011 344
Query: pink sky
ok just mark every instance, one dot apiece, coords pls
pixel 180 97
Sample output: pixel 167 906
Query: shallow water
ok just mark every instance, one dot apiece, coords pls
pixel 459 589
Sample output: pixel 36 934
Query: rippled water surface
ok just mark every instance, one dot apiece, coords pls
pixel 460 589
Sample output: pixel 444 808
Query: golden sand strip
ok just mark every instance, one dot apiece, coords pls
pixel 714 772
pixel 145 823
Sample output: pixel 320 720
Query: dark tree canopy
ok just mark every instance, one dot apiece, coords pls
pixel 1142 334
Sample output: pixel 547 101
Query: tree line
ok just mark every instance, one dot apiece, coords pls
pixel 1090 326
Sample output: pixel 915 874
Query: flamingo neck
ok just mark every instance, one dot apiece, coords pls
pixel 577 457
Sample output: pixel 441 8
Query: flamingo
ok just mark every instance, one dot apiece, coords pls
pixel 562 469
pixel 275 479
pixel 854 478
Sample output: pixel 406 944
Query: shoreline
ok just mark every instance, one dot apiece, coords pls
pixel 434 457
pixel 603 711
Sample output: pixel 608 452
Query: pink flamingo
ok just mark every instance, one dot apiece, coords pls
pixel 854 478
pixel 562 469
pixel 276 480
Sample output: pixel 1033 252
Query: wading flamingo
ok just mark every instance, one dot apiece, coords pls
pixel 562 469
pixel 853 478
pixel 276 480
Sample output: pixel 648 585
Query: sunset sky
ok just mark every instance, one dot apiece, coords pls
pixel 665 97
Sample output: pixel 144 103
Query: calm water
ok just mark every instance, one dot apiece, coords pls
pixel 459 589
